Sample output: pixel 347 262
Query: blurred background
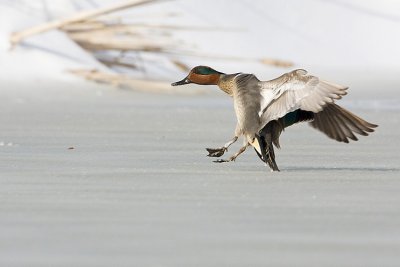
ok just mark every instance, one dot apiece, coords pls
pixel 352 42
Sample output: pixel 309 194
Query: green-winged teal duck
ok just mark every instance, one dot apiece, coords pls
pixel 265 108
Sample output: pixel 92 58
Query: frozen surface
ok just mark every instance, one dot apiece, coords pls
pixel 138 190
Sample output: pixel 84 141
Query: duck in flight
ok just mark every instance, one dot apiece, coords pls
pixel 265 108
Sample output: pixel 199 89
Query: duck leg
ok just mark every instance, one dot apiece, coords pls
pixel 232 158
pixel 218 152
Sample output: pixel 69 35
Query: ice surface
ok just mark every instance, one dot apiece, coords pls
pixel 138 190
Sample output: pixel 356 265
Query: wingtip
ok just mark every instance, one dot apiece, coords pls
pixel 373 125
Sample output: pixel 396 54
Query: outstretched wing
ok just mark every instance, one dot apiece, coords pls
pixel 340 124
pixel 296 90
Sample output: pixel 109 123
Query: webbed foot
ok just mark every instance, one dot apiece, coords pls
pixel 216 152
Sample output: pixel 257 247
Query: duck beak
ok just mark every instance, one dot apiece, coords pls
pixel 182 82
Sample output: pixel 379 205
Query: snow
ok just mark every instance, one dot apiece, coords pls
pixel 45 56
pixel 357 37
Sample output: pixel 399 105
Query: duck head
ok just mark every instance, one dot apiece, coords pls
pixel 202 75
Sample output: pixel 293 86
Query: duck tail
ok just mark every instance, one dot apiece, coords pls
pixel 267 152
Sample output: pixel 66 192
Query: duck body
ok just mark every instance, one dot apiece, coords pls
pixel 265 108
pixel 245 88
